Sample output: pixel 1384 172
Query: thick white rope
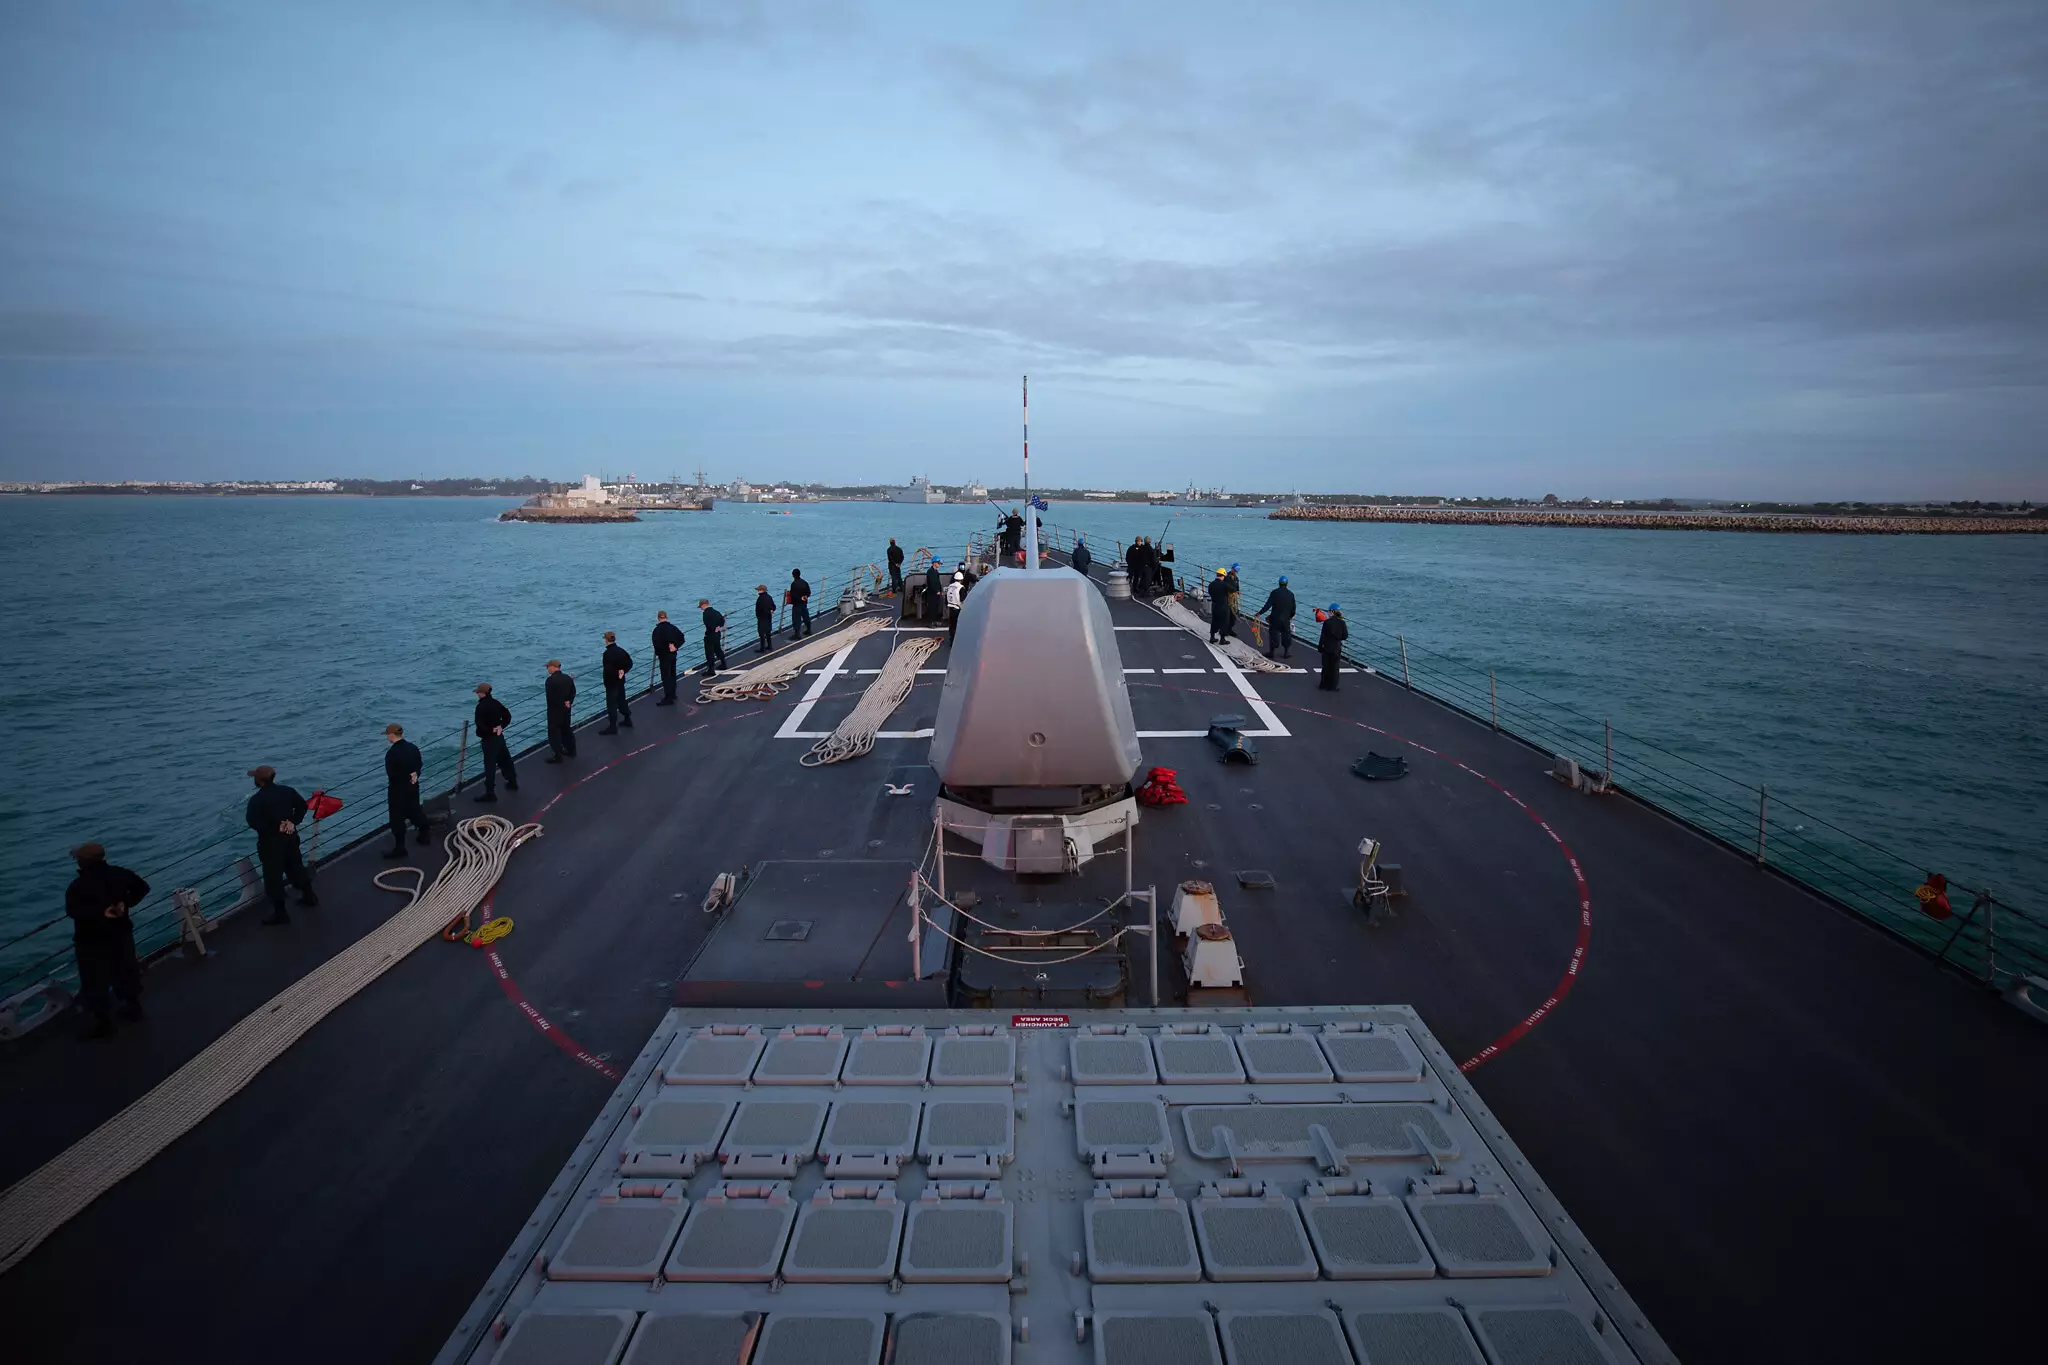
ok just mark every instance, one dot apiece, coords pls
pixel 1241 654
pixel 775 673
pixel 855 735
pixel 36 1206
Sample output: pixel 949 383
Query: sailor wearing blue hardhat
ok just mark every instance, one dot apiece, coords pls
pixel 1235 588
pixel 1335 633
pixel 1279 614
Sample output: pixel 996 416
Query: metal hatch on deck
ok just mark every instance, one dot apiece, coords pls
pixel 734 1233
pixel 950 1339
pixel 1329 1134
pixel 588 1337
pixel 847 1233
pixel 802 1054
pixel 674 1338
pixel 1280 1337
pixel 1369 1053
pixel 1248 1230
pixel 1479 1234
pixel 974 1054
pixel 1196 1054
pixel 888 1054
pixel 958 1232
pixel 717 1054
pixel 673 1136
pixel 622 1234
pixel 821 1339
pixel 1361 1234
pixel 771 1138
pixel 870 1137
pixel 1531 1334
pixel 1401 1335
pixel 1111 1054
pixel 1184 1338
pixel 1280 1054
pixel 1137 1232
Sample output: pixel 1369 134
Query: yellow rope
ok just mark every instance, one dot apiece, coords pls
pixel 36 1206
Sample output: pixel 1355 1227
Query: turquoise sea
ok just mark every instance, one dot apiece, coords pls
pixel 1895 687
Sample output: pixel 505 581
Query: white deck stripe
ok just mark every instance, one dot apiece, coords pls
pixel 1142 734
pixel 1251 697
pixel 803 708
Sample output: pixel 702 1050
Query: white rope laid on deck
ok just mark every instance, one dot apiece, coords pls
pixel 36 1206
pixel 855 735
pixel 775 673
pixel 1240 653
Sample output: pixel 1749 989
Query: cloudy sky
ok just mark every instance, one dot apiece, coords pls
pixel 1724 248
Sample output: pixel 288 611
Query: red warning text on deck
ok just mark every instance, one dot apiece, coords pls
pixel 1038 1021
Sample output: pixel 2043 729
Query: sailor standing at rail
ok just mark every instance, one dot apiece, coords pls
pixel 1219 609
pixel 714 636
pixel 668 638
pixel 617 664
pixel 764 617
pixel 1279 614
pixel 1335 633
pixel 934 593
pixel 561 695
pixel 402 766
pixel 895 558
pixel 799 605
pixel 103 938
pixel 274 812
pixel 955 592
pixel 1081 559
pixel 491 720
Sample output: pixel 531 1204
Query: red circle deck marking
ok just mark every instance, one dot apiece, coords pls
pixel 1585 933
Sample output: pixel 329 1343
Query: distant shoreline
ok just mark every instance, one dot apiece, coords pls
pixel 1753 522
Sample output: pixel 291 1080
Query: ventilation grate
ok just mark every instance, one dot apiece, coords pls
pixel 1140 1241
pixel 950 1339
pixel 1197 1060
pixel 1473 1235
pixel 1253 1239
pixel 887 1059
pixel 1155 1339
pixel 974 1060
pixel 1538 1336
pixel 1382 1055
pixel 733 1238
pixel 618 1239
pixel 820 1339
pixel 1255 1338
pixel 1411 1336
pixel 801 1058
pixel 1365 1238
pixel 1127 1125
pixel 592 1338
pixel 789 1126
pixel 683 1338
pixel 845 1241
pixel 1281 1131
pixel 1282 1059
pixel 719 1055
pixel 960 1240
pixel 872 1126
pixel 1114 1059
pixel 970 1126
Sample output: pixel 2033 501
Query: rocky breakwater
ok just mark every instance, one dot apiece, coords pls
pixel 1675 521
pixel 571 515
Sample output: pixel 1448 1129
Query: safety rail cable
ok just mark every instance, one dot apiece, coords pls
pixel 1011 957
pixel 1730 815
pixel 774 674
pixel 479 849
pixel 855 735
pixel 157 924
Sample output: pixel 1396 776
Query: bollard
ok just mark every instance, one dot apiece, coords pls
pixel 1761 798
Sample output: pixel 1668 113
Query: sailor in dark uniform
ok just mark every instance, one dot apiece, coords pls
pixel 617 664
pixel 1335 633
pixel 1279 614
pixel 491 720
pixel 561 695
pixel 668 638
pixel 98 901
pixel 275 812
pixel 934 593
pixel 714 636
pixel 1219 609
pixel 764 617
pixel 1081 559
pixel 895 558
pixel 799 605
pixel 402 766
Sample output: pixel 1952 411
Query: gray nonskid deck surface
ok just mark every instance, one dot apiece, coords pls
pixel 1743 1088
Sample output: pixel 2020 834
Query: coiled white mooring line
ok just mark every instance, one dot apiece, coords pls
pixel 775 673
pixel 855 735
pixel 40 1203
pixel 1241 654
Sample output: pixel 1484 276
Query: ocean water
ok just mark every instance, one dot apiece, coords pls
pixel 1893 687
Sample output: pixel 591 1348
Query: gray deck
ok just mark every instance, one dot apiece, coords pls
pixel 1744 1089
